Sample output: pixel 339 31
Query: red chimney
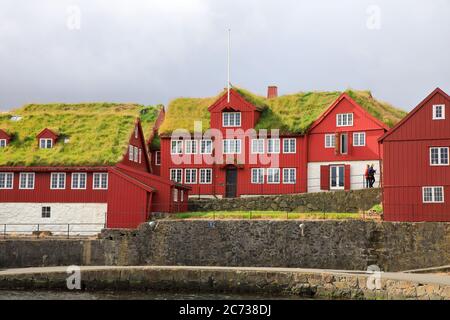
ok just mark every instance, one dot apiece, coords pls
pixel 272 92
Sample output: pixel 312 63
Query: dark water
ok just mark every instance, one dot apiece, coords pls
pixel 119 295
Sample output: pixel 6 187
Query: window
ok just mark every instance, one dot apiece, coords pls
pixel 231 146
pixel 135 154
pixel 158 158
pixel 337 177
pixel 2 143
pixel 289 145
pixel 439 156
pixel 176 146
pixel 330 141
pixel 6 180
pixel 79 180
pixel 231 119
pixel 344 120
pixel 359 139
pixel 190 176
pixel 344 141
pixel 273 146
pixel 289 175
pixel 176 175
pixel 273 175
pixel 433 194
pixel 190 146
pixel 58 181
pixel 438 112
pixel 205 176
pixel 181 195
pixel 100 181
pixel 257 175
pixel 175 194
pixel 26 180
pixel 130 152
pixel 257 146
pixel 45 143
pixel 206 146
pixel 46 212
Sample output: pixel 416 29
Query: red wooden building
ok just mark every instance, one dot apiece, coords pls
pixel 416 171
pixel 245 145
pixel 83 165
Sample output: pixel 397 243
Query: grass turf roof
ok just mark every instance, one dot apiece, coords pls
pixel 292 113
pixel 98 133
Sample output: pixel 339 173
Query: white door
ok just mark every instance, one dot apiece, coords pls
pixel 337 177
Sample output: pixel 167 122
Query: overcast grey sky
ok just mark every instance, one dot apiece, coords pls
pixel 153 51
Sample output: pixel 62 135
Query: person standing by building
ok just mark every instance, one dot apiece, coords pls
pixel 366 177
pixel 372 172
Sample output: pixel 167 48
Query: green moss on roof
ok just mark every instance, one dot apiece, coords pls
pixel 292 113
pixel 98 133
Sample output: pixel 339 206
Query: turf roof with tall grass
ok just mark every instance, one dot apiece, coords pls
pixel 97 133
pixel 293 113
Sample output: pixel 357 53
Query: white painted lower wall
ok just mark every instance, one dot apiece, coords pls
pixel 357 170
pixel 23 218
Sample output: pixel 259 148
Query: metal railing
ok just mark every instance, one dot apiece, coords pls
pixel 54 229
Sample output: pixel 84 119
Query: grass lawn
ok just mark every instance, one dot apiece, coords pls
pixel 267 215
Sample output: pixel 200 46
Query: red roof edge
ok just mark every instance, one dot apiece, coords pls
pixel 413 111
pixel 134 181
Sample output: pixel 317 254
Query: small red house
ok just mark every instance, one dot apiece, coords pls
pixel 341 143
pixel 4 138
pixel 416 171
pixel 93 169
pixel 241 144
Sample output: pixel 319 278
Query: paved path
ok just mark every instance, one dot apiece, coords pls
pixel 423 278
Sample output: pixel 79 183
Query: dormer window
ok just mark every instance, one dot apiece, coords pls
pixel 344 120
pixel 3 143
pixel 45 143
pixel 231 119
pixel 439 112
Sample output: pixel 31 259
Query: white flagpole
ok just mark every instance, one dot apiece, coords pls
pixel 228 66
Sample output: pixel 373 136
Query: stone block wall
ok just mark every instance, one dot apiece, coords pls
pixel 336 201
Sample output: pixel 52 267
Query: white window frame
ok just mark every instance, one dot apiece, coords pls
pixel 235 143
pixel 3 143
pixel 287 173
pixel 58 175
pixel 175 195
pixel 439 157
pixel 340 119
pixel 189 173
pixel 78 186
pixel 287 142
pixel 205 175
pixel 190 147
pixel 273 146
pixel 181 195
pixel 338 176
pixel 433 194
pixel 330 140
pixel 178 144
pixel 25 177
pixel 271 172
pixel 8 174
pixel 130 152
pixel 157 160
pixel 358 138
pixel 257 146
pixel 260 174
pixel 46 146
pixel 49 212
pixel 442 106
pixel 177 170
pixel 233 119
pixel 206 146
pixel 101 176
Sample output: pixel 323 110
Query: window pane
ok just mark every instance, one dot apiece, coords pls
pixel 444 155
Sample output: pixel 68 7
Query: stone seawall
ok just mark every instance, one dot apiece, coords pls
pixel 267 281
pixel 339 244
pixel 338 201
